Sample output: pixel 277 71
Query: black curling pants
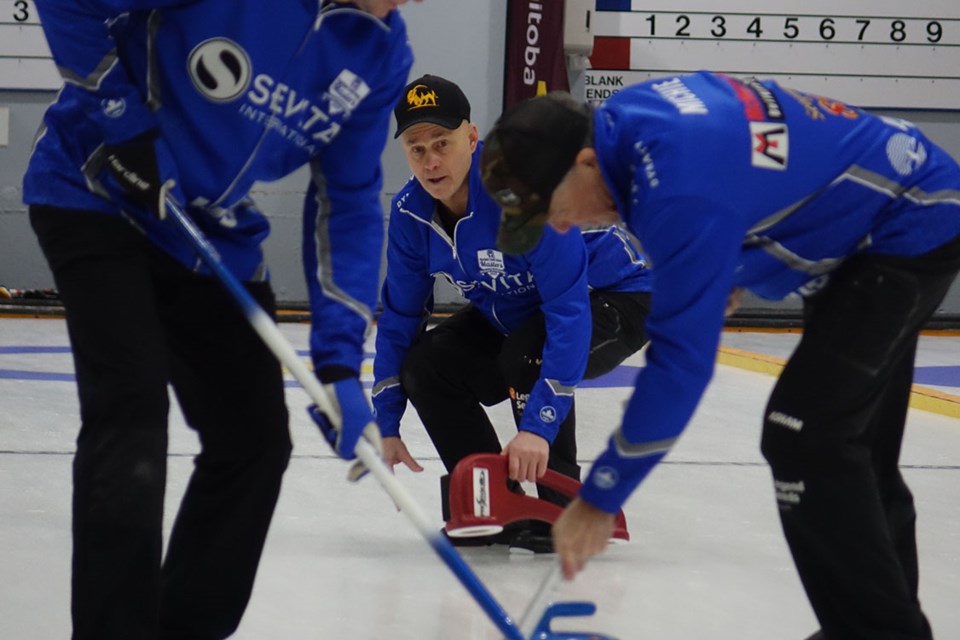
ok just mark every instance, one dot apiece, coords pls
pixel 832 434
pixel 464 363
pixel 137 321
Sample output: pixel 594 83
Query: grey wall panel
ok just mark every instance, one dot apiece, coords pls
pixel 21 263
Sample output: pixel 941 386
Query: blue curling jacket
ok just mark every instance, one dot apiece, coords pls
pixel 731 183
pixel 240 92
pixel 555 278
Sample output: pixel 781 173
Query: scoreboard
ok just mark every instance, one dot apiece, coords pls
pixel 872 53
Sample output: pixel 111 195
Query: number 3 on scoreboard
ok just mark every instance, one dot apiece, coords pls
pixel 21 10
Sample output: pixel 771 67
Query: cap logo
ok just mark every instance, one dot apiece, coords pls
pixel 419 97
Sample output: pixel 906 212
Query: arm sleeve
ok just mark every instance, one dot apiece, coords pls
pixel 559 266
pixel 78 33
pixel 343 225
pixel 694 249
pixel 406 295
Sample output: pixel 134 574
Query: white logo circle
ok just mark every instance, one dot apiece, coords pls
pixel 114 107
pixel 220 69
pixel 606 477
pixel 906 153
pixel 548 414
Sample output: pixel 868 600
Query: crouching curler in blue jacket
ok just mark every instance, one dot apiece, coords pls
pixel 535 325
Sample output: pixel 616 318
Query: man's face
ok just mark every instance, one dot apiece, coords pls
pixel 440 158
pixel 581 198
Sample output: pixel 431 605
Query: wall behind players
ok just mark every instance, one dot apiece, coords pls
pixel 459 39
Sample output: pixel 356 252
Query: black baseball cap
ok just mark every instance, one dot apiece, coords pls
pixel 525 156
pixel 431 99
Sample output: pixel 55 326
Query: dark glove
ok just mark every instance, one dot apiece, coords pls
pixel 135 170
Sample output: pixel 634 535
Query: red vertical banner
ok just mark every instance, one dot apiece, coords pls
pixel 535 60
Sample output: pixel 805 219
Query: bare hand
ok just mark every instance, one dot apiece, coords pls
pixel 581 532
pixel 378 8
pixel 527 454
pixel 395 452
